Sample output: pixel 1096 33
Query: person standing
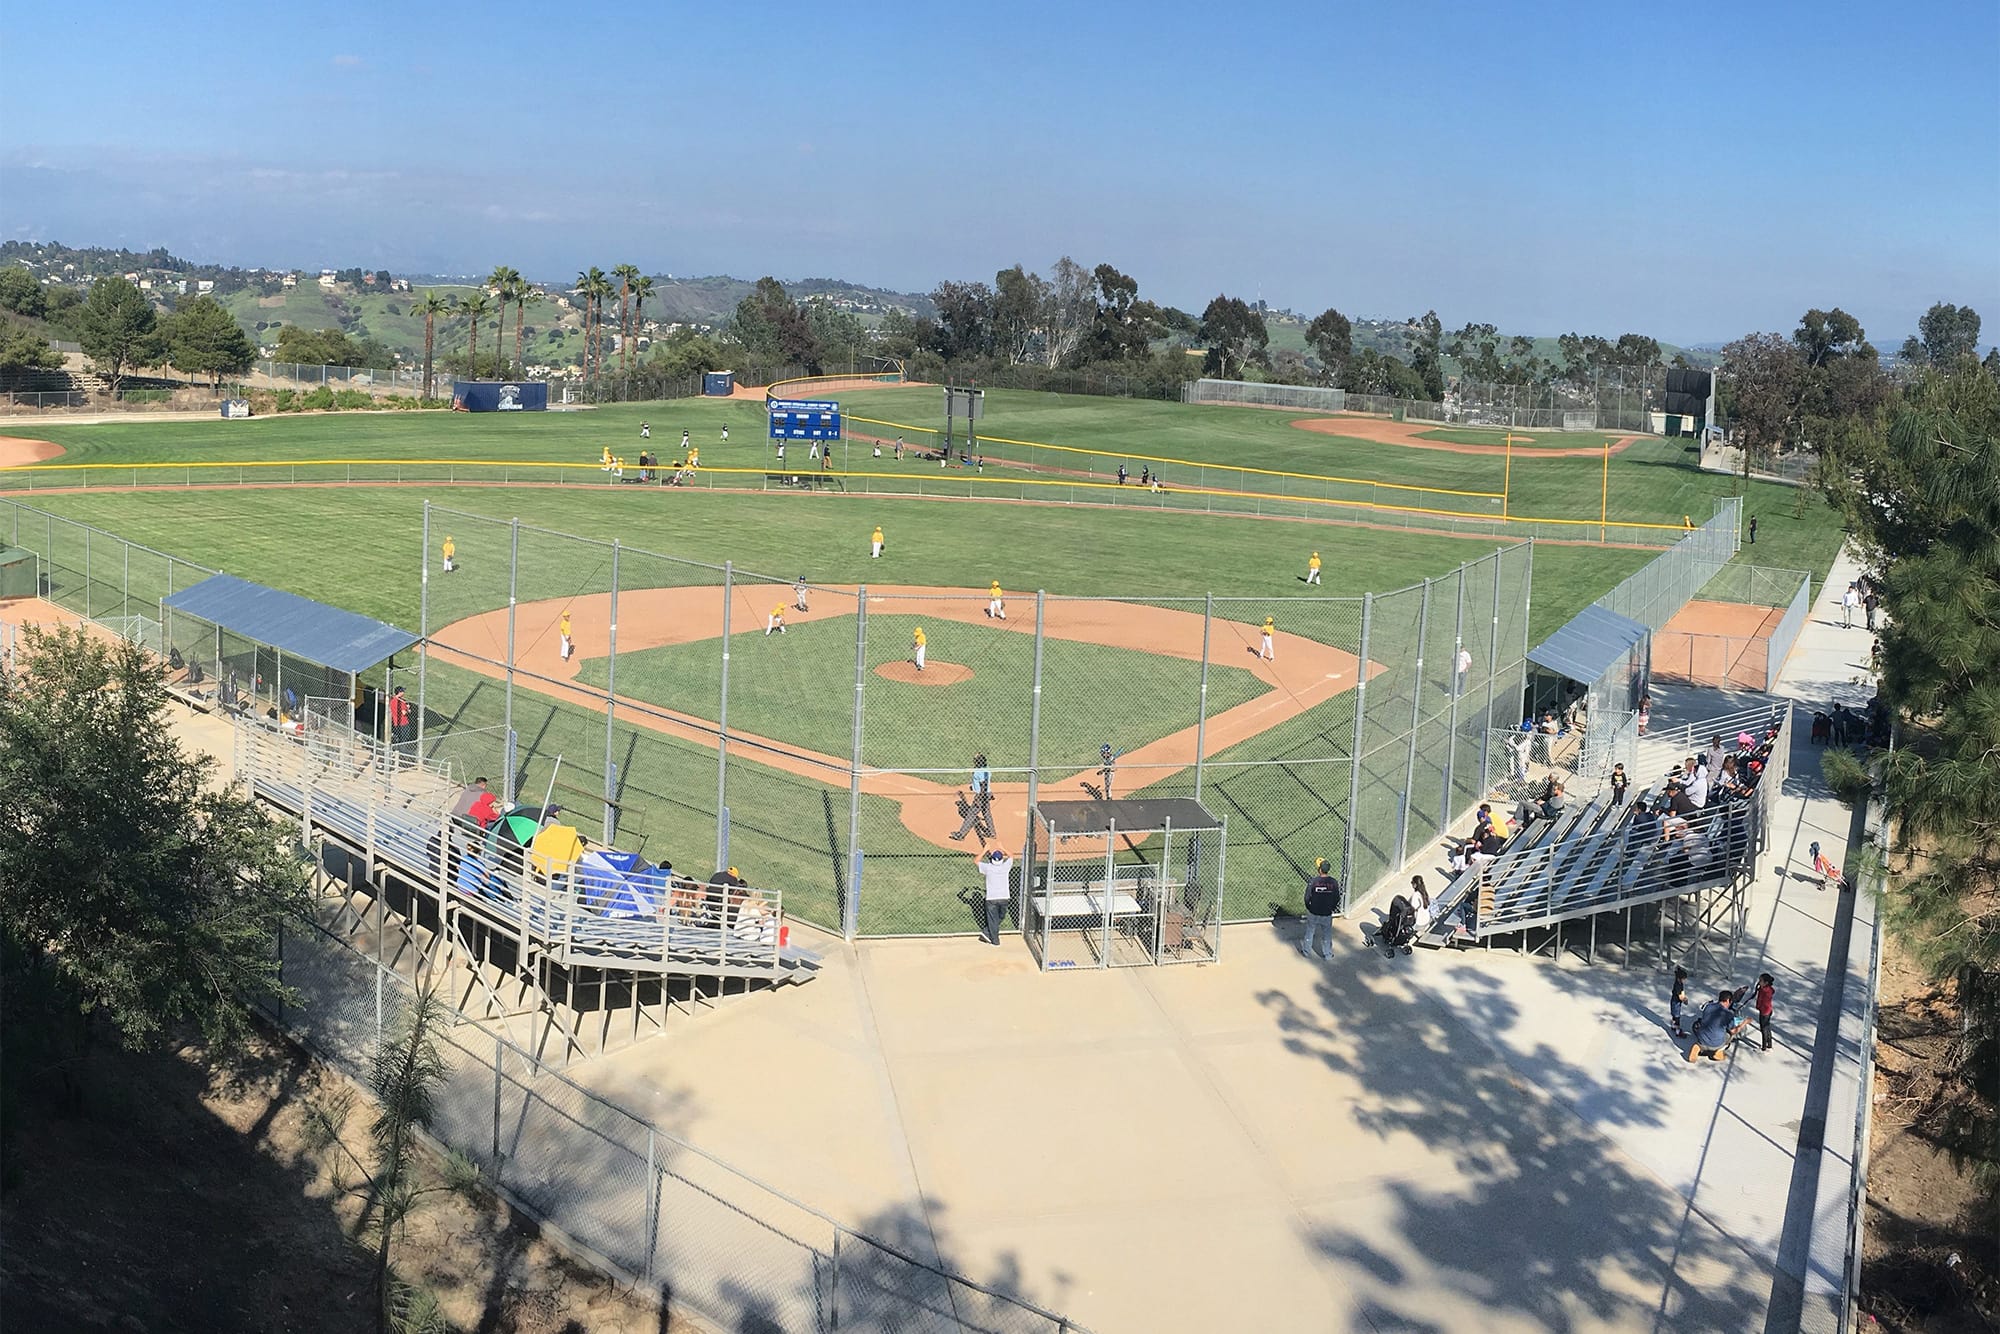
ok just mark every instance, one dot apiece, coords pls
pixel 1322 902
pixel 899 449
pixel 799 593
pixel 1464 664
pixel 1677 999
pixel 1312 567
pixel 775 621
pixel 1267 653
pixel 1121 474
pixel 918 643
pixel 997 868
pixel 1765 994
pixel 1848 602
pixel 875 542
pixel 399 718
pixel 1107 767
pixel 1869 602
pixel 450 549
pixel 996 607
pixel 1645 712
pixel 568 644
pixel 781 456
pixel 1753 530
pixel 725 433
pixel 1620 781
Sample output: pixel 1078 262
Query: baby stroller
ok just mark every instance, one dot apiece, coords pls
pixel 1399 929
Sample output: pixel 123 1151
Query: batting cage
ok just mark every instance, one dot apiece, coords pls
pixel 1115 883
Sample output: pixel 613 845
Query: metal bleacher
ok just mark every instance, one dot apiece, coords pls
pixel 388 817
pixel 1593 860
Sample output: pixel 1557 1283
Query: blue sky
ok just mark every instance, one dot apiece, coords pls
pixel 1693 171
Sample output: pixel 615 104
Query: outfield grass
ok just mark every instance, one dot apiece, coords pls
pixel 1654 481
pixel 359 548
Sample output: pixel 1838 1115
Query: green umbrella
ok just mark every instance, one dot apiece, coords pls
pixel 516 829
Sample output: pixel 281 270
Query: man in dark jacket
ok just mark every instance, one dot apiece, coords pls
pixel 1322 902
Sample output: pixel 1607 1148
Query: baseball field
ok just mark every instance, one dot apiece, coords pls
pixel 1133 658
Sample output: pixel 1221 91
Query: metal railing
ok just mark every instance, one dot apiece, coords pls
pixel 656 1210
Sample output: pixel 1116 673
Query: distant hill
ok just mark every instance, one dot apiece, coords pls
pixel 713 300
pixel 1391 338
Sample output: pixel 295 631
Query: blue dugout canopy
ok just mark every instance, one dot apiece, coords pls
pixel 346 641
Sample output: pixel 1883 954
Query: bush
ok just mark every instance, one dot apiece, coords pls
pixel 145 396
pixel 284 400
pixel 319 400
pixel 353 398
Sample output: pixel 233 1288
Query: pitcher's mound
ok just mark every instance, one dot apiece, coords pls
pixel 933 674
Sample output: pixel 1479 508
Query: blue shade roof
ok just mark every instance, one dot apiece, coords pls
pixel 343 640
pixel 1589 645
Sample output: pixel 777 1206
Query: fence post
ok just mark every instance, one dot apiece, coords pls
pixel 834 1298
pixel 513 590
pixel 499 1052
pixel 722 728
pixel 1457 687
pixel 1492 667
pixel 611 696
pixel 1201 719
pixel 850 911
pixel 1034 765
pixel 652 1203
pixel 86 572
pixel 1355 752
pixel 423 625
pixel 1416 726
pixel 378 1005
pixel 125 582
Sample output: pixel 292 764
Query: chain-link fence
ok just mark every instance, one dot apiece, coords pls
pixel 1737 631
pixel 656 1210
pixel 691 711
pixel 1609 400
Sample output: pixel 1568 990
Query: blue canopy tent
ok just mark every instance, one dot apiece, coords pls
pixel 621 884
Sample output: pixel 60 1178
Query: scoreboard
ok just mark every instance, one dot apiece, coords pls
pixel 804 419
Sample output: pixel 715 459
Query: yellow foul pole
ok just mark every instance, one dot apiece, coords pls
pixel 1507 480
pixel 1604 500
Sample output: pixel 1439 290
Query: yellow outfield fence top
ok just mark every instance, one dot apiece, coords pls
pixel 595 466
pixel 886 378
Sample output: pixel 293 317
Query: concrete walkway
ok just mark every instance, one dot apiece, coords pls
pixel 1444 1141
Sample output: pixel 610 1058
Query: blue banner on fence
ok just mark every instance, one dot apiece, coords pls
pixel 499 395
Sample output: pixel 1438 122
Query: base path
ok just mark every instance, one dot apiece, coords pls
pixel 1305 673
pixel 18 451
pixel 1410 435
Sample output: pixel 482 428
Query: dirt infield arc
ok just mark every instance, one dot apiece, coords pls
pixel 19 451
pixel 1305 673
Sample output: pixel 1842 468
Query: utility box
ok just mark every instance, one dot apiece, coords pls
pixel 718 384
pixel 20 573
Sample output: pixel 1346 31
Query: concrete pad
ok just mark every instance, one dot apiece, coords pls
pixel 1031 1133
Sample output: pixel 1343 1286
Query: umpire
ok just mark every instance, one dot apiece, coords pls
pixel 1322 902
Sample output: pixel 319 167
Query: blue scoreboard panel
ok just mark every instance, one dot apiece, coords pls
pixel 804 419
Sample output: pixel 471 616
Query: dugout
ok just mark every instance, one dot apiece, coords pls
pixel 1114 884
pixel 1610 656
pixel 499 395
pixel 254 648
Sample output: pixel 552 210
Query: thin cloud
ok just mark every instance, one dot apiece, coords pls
pixel 347 62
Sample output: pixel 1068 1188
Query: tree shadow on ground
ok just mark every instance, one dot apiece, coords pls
pixel 1541 1221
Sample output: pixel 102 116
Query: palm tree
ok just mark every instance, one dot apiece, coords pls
pixel 500 284
pixel 430 306
pixel 626 274
pixel 593 286
pixel 642 287
pixel 475 308
pixel 524 292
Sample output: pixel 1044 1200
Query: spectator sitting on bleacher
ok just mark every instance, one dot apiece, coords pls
pixel 1645 824
pixel 1677 798
pixel 1697 788
pixel 1478 851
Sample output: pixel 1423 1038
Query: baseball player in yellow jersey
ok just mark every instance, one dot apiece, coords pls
pixel 997 608
pixel 450 553
pixel 694 457
pixel 918 642
pixel 875 542
pixel 776 620
pixel 1270 629
pixel 605 461
pixel 568 644
pixel 1312 569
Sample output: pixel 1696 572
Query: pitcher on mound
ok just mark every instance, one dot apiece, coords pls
pixel 918 643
